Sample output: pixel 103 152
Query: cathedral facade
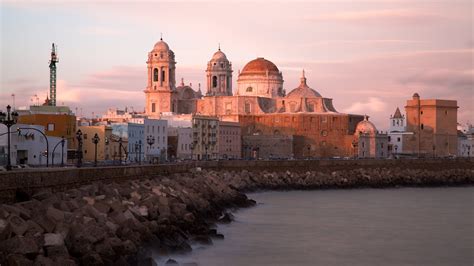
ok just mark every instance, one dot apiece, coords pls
pixel 260 104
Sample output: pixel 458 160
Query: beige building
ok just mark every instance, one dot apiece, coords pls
pixel 369 142
pixel 205 136
pixel 108 147
pixel 434 126
pixel 267 147
pixel 230 140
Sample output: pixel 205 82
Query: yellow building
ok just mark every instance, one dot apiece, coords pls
pixel 108 147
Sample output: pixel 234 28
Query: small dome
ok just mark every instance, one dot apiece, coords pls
pixel 303 91
pixel 416 95
pixel 259 65
pixel 219 55
pixel 161 46
pixel 366 127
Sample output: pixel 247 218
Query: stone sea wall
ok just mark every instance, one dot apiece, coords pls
pixel 120 222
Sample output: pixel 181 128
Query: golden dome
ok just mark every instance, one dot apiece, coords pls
pixel 259 65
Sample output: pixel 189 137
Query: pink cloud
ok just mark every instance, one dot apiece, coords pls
pixel 380 16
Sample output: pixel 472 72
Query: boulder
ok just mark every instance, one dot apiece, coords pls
pixel 57 251
pixel 105 250
pixel 43 261
pixel 89 200
pixel 64 261
pixel 147 262
pixel 18 260
pixel 171 262
pixel 91 258
pixel 17 224
pixel 51 239
pixel 18 210
pixel 55 215
pixel 129 247
pixel 43 221
pixel 5 229
pixel 42 194
pixel 20 245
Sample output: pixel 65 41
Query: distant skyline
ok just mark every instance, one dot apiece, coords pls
pixel 369 56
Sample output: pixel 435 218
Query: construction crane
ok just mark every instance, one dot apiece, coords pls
pixel 52 76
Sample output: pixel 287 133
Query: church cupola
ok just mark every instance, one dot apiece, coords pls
pixel 219 75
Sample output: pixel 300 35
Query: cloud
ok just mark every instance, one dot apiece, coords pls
pixel 118 78
pixel 372 105
pixel 101 31
pixel 445 78
pixel 379 16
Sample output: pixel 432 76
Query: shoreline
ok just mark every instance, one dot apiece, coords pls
pixel 118 223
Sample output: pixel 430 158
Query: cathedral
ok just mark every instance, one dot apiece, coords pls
pixel 260 103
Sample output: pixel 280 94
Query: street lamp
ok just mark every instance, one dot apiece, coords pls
pixel 140 152
pixel 9 119
pixel 206 146
pixel 120 150
pixel 95 140
pixel 191 146
pixel 62 151
pixel 150 140
pixel 79 148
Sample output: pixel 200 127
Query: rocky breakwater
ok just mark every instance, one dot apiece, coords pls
pixel 355 178
pixel 116 223
pixel 119 223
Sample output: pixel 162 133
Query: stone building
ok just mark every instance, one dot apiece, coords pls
pixel 466 142
pixel 260 104
pixel 434 126
pixel 267 147
pixel 230 140
pixel 369 142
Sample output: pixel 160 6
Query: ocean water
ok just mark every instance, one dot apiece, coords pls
pixel 404 226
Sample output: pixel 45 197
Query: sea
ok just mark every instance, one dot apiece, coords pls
pixel 397 226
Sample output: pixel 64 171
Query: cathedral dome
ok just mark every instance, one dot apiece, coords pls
pixel 303 91
pixel 161 46
pixel 259 65
pixel 366 127
pixel 219 55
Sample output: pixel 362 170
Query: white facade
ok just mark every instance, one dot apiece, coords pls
pixel 28 146
pixel 397 133
pixel 136 142
pixel 466 143
pixel 156 130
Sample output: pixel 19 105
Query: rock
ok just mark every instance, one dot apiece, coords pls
pixel 91 259
pixel 43 261
pixel 189 217
pixel 203 239
pixel 112 227
pixel 102 207
pixel 105 250
pixel 147 262
pixel 18 225
pixel 64 261
pixel 100 197
pixel 20 245
pixel 89 200
pixel 57 251
pixel 44 222
pixel 189 264
pixel 42 194
pixel 18 260
pixel 55 215
pixel 51 239
pixel 226 218
pixel 129 247
pixel 5 229
pixel 171 262
pixel 18 210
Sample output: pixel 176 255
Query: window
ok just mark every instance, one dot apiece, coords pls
pixel 324 133
pixel 214 82
pixel 446 112
pixel 85 136
pixel 163 75
pixel 393 123
pixel 398 139
pixel 249 89
pixel 324 119
pixel 389 138
pixel 421 112
pixel 155 75
pixel 247 109
pixel 422 126
pixel 153 105
pixel 50 127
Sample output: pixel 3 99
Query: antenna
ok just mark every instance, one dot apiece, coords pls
pixel 52 76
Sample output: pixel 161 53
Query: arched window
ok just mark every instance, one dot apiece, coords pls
pixel 163 75
pixel 155 74
pixel 214 81
pixel 249 89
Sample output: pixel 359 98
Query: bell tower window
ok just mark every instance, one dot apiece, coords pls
pixel 163 75
pixel 214 81
pixel 155 74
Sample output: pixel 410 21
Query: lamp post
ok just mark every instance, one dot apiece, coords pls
pixel 79 148
pixel 140 152
pixel 191 146
pixel 120 150
pixel 9 119
pixel 150 140
pixel 62 152
pixel 95 140
pixel 206 146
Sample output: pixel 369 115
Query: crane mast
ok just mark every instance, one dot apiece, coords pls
pixel 52 76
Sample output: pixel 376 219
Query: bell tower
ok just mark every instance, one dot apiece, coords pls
pixel 219 75
pixel 160 92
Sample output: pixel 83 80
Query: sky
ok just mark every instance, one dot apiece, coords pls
pixel 368 56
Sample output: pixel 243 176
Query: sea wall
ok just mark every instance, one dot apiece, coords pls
pixel 28 181
pixel 110 222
